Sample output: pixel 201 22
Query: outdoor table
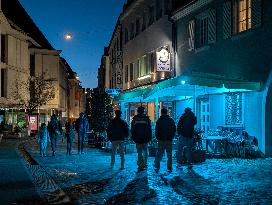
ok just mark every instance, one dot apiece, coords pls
pixel 212 139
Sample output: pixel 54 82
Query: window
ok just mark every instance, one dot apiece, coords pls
pixel 137 27
pixel 131 72
pixel 151 15
pixel 144 67
pixel 126 35
pixel 3 48
pixel 3 83
pixel 241 15
pixel 131 31
pixel 152 62
pixel 203 32
pixel 138 68
pixel 144 22
pixel 32 65
pixel 126 74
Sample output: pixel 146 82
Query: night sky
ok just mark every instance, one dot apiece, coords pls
pixel 91 23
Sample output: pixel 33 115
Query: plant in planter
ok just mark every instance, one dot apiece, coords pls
pixel 199 155
pixel 198 138
pixel 153 147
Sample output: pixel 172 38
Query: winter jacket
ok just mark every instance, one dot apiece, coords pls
pixel 165 128
pixel 54 128
pixel 117 130
pixel 141 131
pixel 82 125
pixel 186 124
pixel 43 136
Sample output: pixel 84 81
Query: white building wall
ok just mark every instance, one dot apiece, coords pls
pixel 254 116
pixel 217 111
pixel 181 105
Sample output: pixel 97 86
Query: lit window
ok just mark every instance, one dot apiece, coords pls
pixel 241 9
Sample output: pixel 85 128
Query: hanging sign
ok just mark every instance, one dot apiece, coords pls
pixel 163 60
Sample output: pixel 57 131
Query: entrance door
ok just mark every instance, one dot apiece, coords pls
pixel 205 115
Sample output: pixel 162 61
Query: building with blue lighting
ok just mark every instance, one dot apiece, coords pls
pixel 222 49
pixel 212 56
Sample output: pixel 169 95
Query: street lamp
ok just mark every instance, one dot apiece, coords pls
pixel 68 36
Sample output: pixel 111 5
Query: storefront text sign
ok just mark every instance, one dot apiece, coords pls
pixel 163 60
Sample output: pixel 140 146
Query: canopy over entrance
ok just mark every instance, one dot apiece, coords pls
pixel 188 86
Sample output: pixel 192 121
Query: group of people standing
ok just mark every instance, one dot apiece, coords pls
pixel 53 132
pixel 141 134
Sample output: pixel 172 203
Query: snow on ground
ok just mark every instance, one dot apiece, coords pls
pixel 87 179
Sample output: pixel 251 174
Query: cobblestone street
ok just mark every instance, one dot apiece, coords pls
pixel 87 179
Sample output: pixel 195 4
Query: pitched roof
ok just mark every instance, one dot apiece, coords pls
pixel 15 12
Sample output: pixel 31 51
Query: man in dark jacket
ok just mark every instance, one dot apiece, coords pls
pixel 55 130
pixel 186 131
pixel 141 134
pixel 117 132
pixel 165 131
pixel 82 127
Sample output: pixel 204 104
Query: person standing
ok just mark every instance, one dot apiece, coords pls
pixel 82 126
pixel 117 132
pixel 186 132
pixel 43 139
pixel 165 132
pixel 141 134
pixel 55 130
pixel 70 136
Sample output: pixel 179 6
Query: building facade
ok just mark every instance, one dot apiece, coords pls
pixel 222 51
pixel 147 54
pixel 25 52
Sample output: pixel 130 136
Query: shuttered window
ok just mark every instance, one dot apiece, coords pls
pixel 202 30
pixel 192 35
pixel 240 16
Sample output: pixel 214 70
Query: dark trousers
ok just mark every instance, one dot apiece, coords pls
pixel 80 142
pixel 53 144
pixel 69 148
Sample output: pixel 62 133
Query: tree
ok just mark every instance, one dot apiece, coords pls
pixel 101 109
pixel 34 92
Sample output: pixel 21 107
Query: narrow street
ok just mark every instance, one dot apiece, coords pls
pixel 16 185
pixel 87 179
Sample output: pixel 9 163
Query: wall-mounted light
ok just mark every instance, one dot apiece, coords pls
pixel 183 82
pixel 144 77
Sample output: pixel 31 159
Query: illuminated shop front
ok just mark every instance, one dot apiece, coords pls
pixel 221 104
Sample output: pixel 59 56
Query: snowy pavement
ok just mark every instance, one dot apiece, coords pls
pixel 87 179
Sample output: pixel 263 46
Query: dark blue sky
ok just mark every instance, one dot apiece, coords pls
pixel 90 21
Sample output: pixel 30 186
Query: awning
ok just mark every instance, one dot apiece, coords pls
pixel 134 95
pixel 199 85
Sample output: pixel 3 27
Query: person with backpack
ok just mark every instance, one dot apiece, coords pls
pixel 186 132
pixel 165 132
pixel 82 126
pixel 55 130
pixel 141 134
pixel 117 132
pixel 70 136
pixel 43 139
